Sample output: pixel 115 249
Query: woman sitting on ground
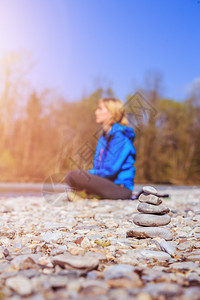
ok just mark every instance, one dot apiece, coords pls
pixel 112 175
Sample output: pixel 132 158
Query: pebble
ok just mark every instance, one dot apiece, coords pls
pixel 85 243
pixel 51 236
pixel 75 250
pixel 78 262
pixel 151 232
pixel 167 290
pixel 184 266
pixel 100 256
pixel 157 255
pixel 194 257
pixel 20 284
pixel 127 259
pixel 144 296
pixel 151 199
pixel 151 220
pixel 168 247
pixel 118 271
pixel 149 190
pixel 147 208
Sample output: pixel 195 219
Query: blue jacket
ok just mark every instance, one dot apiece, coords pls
pixel 115 155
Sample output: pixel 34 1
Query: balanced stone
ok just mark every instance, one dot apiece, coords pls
pixel 151 220
pixel 147 208
pixel 150 232
pixel 152 199
pixel 149 190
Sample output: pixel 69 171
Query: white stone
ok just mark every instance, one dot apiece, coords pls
pixel 79 262
pixel 152 232
pixel 20 284
pixel 149 190
pixel 51 236
pixel 151 220
pixel 157 255
pixel 75 250
pixel 85 243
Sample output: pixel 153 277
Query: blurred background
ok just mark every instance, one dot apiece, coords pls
pixel 57 58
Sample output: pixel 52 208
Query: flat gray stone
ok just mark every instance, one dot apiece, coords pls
pixel 194 257
pixel 165 290
pixel 75 261
pixel 150 232
pixel 20 284
pixel 192 292
pixel 58 282
pixel 151 220
pixel 152 199
pixel 51 236
pixel 147 208
pixel 118 271
pixel 184 246
pixel 168 247
pixel 156 255
pixel 184 266
pixel 149 190
pixel 100 256
pixel 19 259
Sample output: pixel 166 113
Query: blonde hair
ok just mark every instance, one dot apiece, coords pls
pixel 116 108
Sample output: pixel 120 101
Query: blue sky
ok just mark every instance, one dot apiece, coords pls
pixel 81 44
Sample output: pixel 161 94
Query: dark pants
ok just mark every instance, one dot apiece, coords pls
pixel 96 185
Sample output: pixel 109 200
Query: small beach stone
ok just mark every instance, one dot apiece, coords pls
pixel 118 271
pixel 152 199
pixel 51 236
pixel 85 243
pixel 165 289
pixel 184 266
pixel 20 284
pixel 78 262
pixel 6 252
pixel 151 220
pixel 194 257
pixel 150 232
pixel 75 250
pixel 147 208
pixel 167 247
pixel 94 287
pixel 58 282
pixel 125 284
pixel 127 259
pixel 100 256
pixel 149 190
pixel 144 296
pixel 157 255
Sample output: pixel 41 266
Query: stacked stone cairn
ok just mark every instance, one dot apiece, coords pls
pixel 153 214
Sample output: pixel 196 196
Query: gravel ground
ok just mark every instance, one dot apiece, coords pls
pixel 80 250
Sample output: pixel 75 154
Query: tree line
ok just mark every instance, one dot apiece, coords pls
pixel 44 134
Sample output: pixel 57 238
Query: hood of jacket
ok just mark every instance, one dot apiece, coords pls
pixel 127 131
